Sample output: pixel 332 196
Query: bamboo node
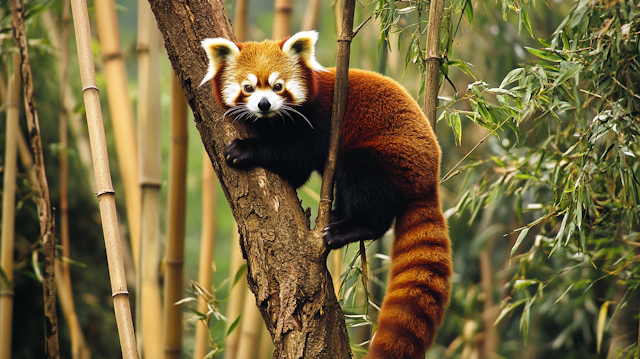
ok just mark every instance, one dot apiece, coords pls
pixel 90 87
pixel 283 8
pixel 150 184
pixel 112 56
pixel 121 292
pixel 169 350
pixel 105 191
pixel 173 262
pixel 7 293
pixel 433 58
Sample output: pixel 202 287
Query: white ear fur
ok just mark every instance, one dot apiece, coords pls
pixel 303 45
pixel 218 50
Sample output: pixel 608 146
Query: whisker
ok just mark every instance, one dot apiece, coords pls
pixel 244 113
pixel 289 108
pixel 281 111
pixel 234 111
pixel 284 122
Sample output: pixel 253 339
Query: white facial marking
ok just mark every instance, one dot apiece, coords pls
pixel 253 79
pixel 230 93
pixel 272 78
pixel 274 100
pixel 297 91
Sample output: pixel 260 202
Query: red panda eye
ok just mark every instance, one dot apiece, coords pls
pixel 248 88
pixel 277 87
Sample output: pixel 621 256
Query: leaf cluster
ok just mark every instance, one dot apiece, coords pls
pixel 566 158
pixel 564 150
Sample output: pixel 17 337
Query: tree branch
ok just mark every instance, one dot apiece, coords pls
pixel 337 114
pixel 44 203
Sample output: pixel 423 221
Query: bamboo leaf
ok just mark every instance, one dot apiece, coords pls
pixel 513 75
pixel 233 325
pixel 523 234
pixel 239 274
pixel 508 309
pixel 525 20
pixel 454 122
pixel 469 11
pixel 602 319
pixel 545 54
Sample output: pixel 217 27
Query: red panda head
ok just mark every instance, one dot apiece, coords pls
pixel 263 79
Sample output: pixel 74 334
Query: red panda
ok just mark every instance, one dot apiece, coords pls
pixel 387 168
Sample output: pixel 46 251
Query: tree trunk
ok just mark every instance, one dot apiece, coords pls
pixel 286 267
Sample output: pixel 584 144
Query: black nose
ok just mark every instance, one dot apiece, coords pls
pixel 264 104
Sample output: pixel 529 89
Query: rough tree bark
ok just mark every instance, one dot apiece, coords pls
pixel 286 267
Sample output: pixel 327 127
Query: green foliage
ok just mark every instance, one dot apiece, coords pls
pixel 569 162
pixel 563 161
pixel 408 18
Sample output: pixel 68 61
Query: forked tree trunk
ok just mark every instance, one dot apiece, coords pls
pixel 285 260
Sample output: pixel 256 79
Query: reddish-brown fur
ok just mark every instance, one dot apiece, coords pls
pixel 385 131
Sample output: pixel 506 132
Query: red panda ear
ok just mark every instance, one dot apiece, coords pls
pixel 219 51
pixel 302 46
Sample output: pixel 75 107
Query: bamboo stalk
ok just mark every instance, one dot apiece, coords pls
pixel 236 297
pixel 8 207
pixel 337 268
pixel 75 120
pixel 207 245
pixel 489 341
pixel 174 254
pixel 250 327
pixel 266 344
pixel 105 192
pixel 240 20
pixel 432 71
pixel 122 117
pixel 282 19
pixel 44 203
pixel 79 349
pixel 63 157
pixel 149 303
pixel 311 16
pixel 3 88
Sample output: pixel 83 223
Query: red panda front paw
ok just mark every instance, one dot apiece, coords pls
pixel 237 154
pixel 338 234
